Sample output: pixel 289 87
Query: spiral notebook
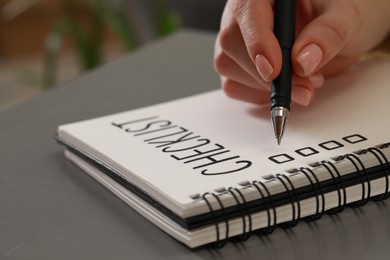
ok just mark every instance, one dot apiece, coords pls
pixel 207 168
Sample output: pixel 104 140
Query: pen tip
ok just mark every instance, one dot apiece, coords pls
pixel 279 118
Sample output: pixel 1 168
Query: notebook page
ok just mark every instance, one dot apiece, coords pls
pixel 165 147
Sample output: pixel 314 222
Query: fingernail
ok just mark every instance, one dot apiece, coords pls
pixel 309 58
pixel 264 67
pixel 317 80
pixel 301 95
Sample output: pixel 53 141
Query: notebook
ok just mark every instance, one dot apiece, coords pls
pixel 206 168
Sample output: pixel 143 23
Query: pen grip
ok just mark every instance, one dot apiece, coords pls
pixel 281 86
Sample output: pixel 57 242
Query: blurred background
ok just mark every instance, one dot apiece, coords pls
pixel 45 43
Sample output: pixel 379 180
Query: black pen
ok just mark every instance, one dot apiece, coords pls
pixel 284 30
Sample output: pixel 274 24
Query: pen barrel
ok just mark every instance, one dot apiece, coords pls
pixel 284 30
pixel 284 22
pixel 281 86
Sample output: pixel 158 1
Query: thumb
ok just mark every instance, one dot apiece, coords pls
pixel 323 38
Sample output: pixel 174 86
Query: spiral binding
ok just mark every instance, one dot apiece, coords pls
pixel 363 200
pixel 294 200
pixel 268 203
pixel 337 182
pixel 266 200
pixel 219 243
pixel 316 189
pixel 386 169
pixel 243 206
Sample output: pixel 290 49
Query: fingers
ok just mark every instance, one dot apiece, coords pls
pixel 242 92
pixel 302 90
pixel 248 56
pixel 237 83
pixel 246 36
pixel 324 37
pixel 229 68
pixel 233 45
pixel 302 95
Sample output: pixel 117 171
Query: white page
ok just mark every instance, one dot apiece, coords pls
pixel 354 104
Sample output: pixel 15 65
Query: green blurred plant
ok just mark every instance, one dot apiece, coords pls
pixel 88 40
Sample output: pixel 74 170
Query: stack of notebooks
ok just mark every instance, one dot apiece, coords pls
pixel 207 168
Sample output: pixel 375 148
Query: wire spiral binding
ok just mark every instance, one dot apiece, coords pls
pixel 267 201
pixel 338 183
pixel 363 200
pixel 243 206
pixel 270 226
pixel 293 199
pixel 218 243
pixel 316 190
pixel 386 169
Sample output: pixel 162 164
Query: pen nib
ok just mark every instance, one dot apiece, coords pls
pixel 279 118
pixel 279 139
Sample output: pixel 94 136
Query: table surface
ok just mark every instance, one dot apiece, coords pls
pixel 50 209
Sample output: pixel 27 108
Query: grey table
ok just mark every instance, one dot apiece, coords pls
pixel 49 209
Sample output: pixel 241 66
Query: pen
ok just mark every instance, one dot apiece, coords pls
pixel 284 30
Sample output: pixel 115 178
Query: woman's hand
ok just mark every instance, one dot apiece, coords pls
pixel 330 37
